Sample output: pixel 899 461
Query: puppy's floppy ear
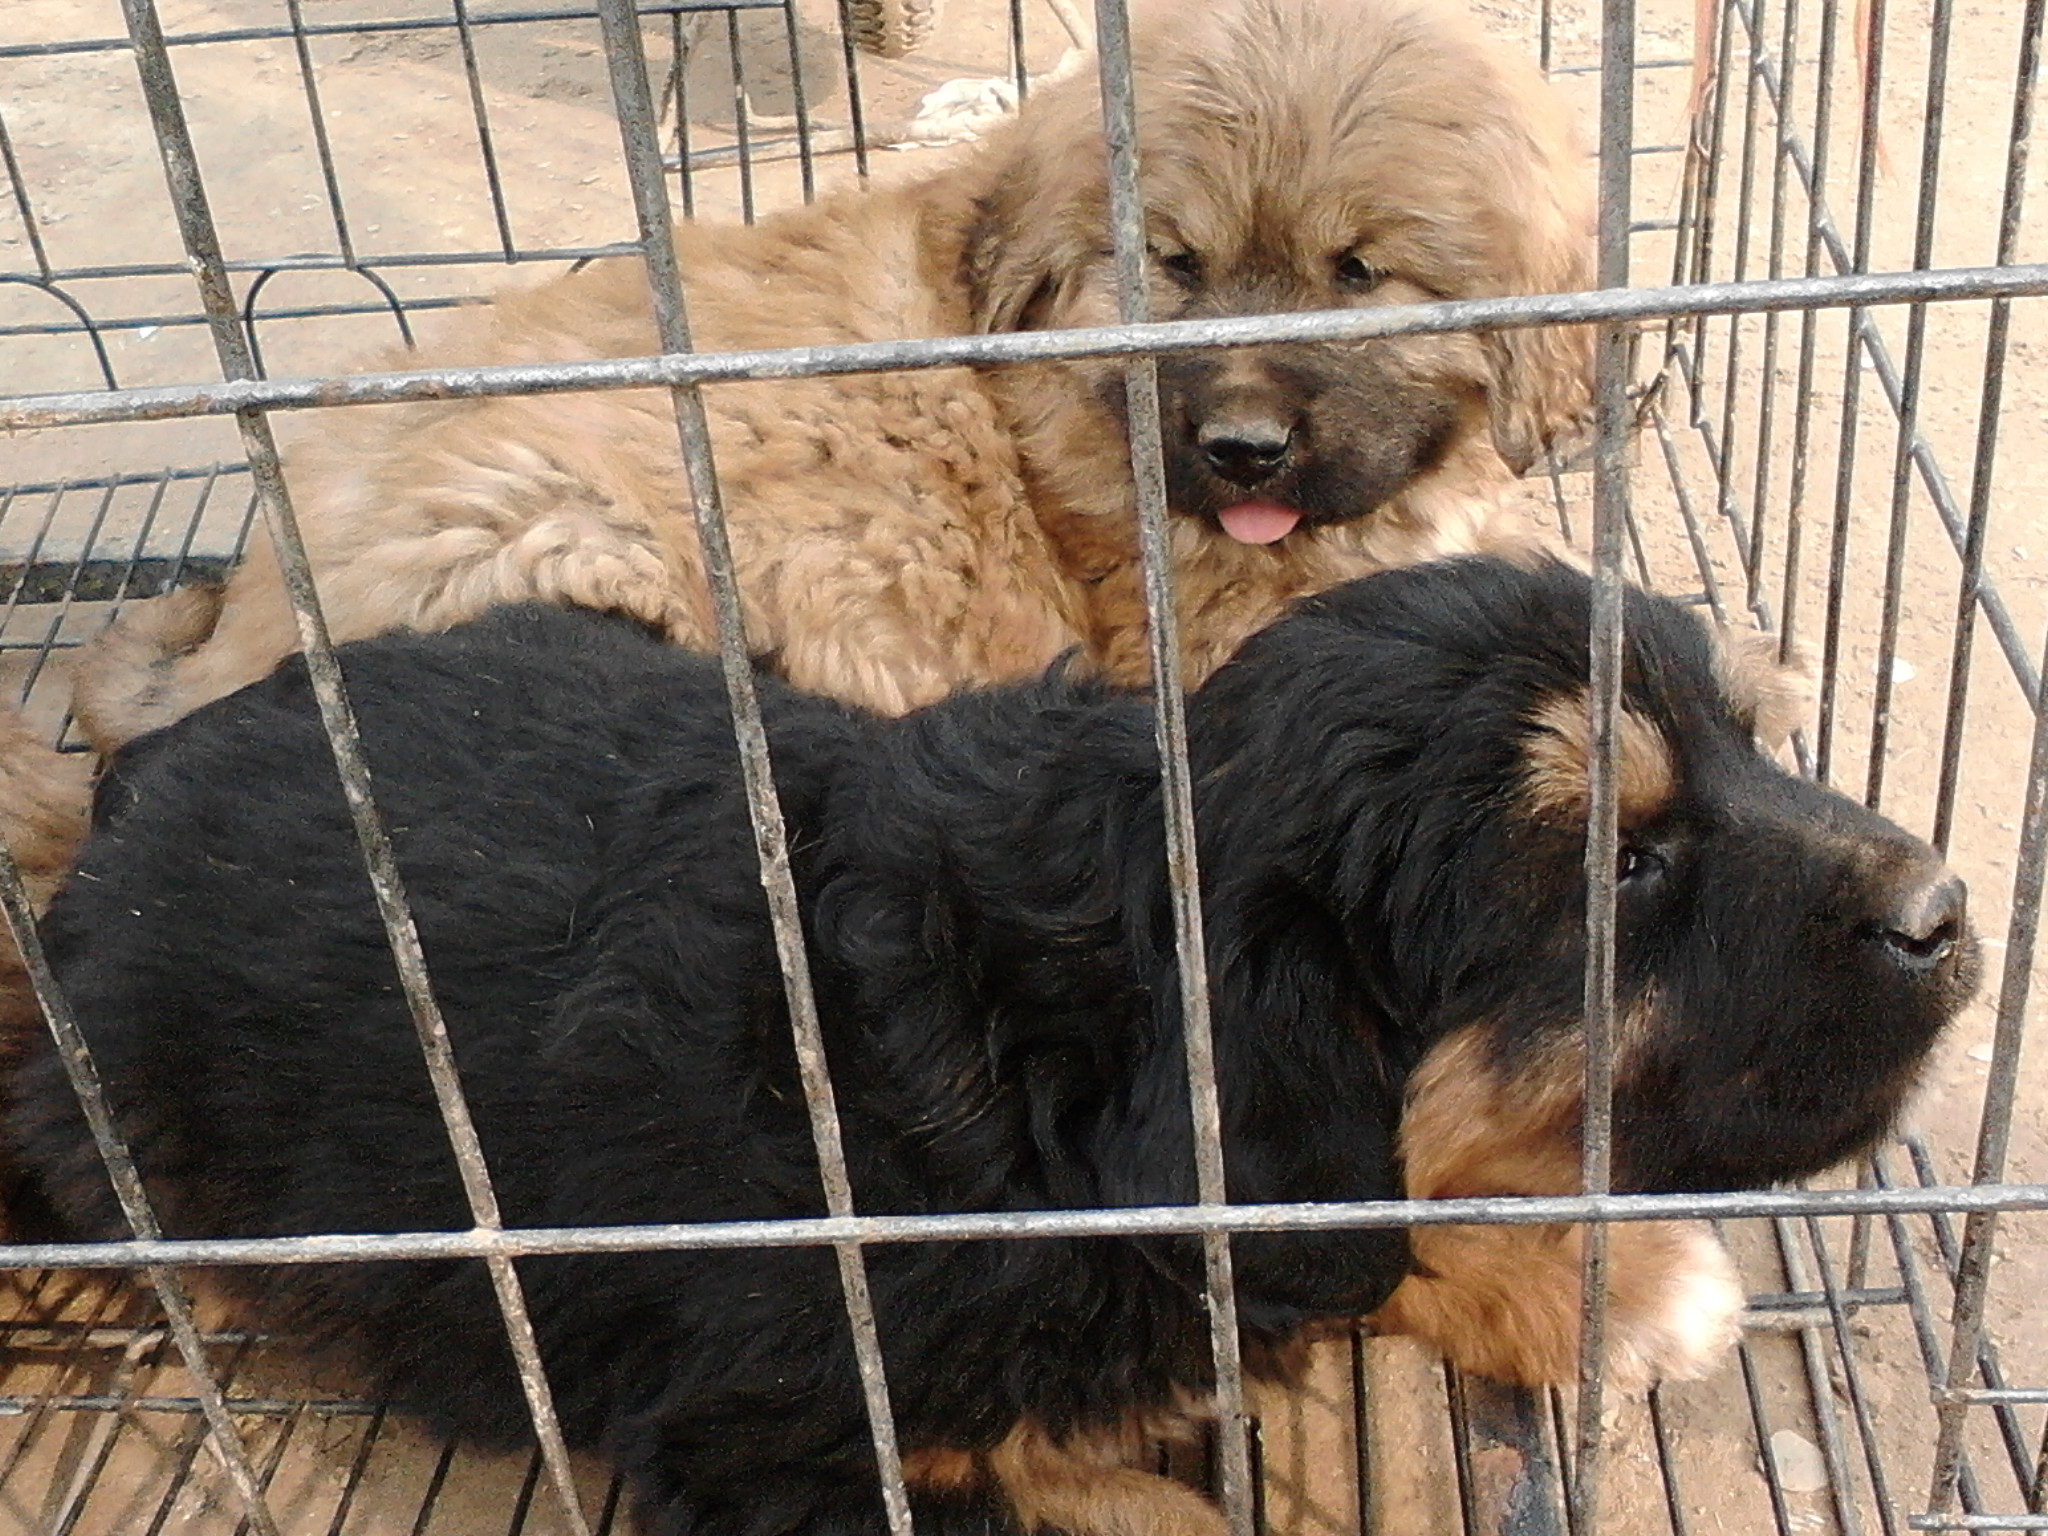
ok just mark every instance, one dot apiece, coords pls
pixel 1009 270
pixel 1777 695
pixel 1039 211
pixel 1541 392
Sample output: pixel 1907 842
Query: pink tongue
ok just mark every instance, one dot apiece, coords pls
pixel 1258 522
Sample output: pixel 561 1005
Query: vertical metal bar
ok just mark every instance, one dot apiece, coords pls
pixel 1732 381
pixel 1667 1463
pixel 18 185
pixel 1989 408
pixel 227 1440
pixel 309 82
pixel 650 203
pixel 1760 1425
pixel 1704 139
pixel 1361 1433
pixel 1781 89
pixel 742 123
pixel 1141 387
pixel 359 1463
pixel 1845 464
pixel 202 244
pixel 1613 419
pixel 799 104
pixel 683 36
pixel 1469 1521
pixel 1973 1277
pixel 1819 1384
pixel 481 112
pixel 1919 1308
pixel 1020 67
pixel 1934 104
pixel 1802 388
pixel 856 110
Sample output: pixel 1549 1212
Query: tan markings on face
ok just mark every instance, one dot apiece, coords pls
pixel 941 1469
pixel 1557 755
pixel 1243 369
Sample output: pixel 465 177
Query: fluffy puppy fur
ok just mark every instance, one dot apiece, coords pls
pixel 42 791
pixel 900 536
pixel 1390 793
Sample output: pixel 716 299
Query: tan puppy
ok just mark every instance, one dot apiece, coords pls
pixel 900 535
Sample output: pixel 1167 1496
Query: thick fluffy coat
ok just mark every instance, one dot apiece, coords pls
pixel 1390 788
pixel 899 536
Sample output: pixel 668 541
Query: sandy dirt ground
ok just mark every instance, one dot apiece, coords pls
pixel 1768 424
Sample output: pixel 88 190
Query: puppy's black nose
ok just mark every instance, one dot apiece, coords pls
pixel 1926 921
pixel 1245 447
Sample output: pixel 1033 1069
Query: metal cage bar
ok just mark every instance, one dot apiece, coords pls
pixel 643 159
pixel 202 242
pixel 1141 395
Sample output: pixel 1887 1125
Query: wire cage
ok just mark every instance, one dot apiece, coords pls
pixel 1819 395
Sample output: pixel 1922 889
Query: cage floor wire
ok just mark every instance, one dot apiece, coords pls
pixel 465 146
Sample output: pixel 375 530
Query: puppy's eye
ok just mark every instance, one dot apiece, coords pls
pixel 1357 275
pixel 1184 267
pixel 1638 866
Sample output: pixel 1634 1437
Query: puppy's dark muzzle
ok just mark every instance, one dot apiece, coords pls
pixel 1928 923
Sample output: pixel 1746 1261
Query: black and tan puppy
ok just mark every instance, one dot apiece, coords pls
pixel 1390 787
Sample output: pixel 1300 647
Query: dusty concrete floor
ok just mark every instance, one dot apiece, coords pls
pixel 409 161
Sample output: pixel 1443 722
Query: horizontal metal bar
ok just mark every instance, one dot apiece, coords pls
pixel 1134 1221
pixel 1978 1522
pixel 1796 1301
pixel 255 1407
pixel 911 353
pixel 1814 1317
pixel 1986 1396
pixel 136 477
pixel 186 319
pixel 26 1334
pixel 323 261
pixel 381 24
pixel 1639 66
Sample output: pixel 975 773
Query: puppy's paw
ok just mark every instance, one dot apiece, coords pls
pixel 1676 1303
pixel 1504 1301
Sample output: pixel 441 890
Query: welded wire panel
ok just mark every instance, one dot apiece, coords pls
pixel 100 1433
pixel 1857 479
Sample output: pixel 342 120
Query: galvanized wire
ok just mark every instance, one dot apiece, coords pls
pixel 1989 410
pixel 2000 1094
pixel 173 402
pixel 642 149
pixel 196 227
pixel 1614 423
pixel 1715 227
pixel 226 1439
pixel 1125 1221
pixel 1169 714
